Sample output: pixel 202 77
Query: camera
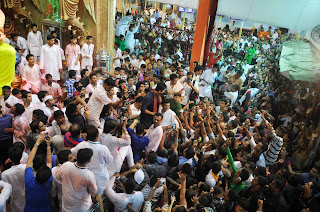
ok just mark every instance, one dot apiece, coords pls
pixel 189 80
pixel 120 95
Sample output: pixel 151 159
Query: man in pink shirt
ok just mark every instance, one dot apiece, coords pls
pixel 31 76
pixel 93 84
pixel 52 88
pixel 155 133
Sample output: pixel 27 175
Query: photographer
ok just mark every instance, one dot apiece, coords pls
pixel 191 89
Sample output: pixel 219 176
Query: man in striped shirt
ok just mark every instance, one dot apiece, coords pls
pixel 72 138
pixel 270 156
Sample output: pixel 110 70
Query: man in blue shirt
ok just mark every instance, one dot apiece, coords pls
pixel 312 176
pixel 70 83
pixel 37 187
pixel 138 140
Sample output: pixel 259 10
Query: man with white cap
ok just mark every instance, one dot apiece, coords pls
pixel 50 106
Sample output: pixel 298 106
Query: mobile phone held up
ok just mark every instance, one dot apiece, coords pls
pixel 162 180
pixel 47 136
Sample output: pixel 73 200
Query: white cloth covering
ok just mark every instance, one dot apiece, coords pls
pixel 78 184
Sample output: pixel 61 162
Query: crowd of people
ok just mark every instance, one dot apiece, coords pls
pixel 163 33
pixel 232 135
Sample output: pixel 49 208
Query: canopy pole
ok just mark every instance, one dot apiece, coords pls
pixel 220 21
pixel 240 32
pixel 184 19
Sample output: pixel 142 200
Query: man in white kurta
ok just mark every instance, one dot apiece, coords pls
pixel 154 134
pixel 4 195
pixel 31 76
pixel 114 143
pixel 117 56
pixel 97 101
pixel 15 177
pixel 78 184
pixel 100 160
pixel 50 59
pixel 174 87
pixel 207 79
pixel 87 53
pixel 34 42
pixel 20 43
pixel 129 41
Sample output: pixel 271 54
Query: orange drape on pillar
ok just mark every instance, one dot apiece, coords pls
pixel 206 11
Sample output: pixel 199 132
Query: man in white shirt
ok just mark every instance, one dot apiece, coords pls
pixel 56 187
pixel 35 42
pixel 28 105
pixel 98 100
pixel 134 109
pixel 50 59
pixel 207 79
pixel 169 117
pixel 189 85
pixel 86 53
pixel 50 108
pixel 174 87
pixel 101 157
pixel 78 183
pixel 115 144
pixel 117 56
pixel 15 177
pixel 92 86
pixel 19 42
pixel 155 133
pixel 122 200
pixel 213 175
pixel 233 94
pixel 7 100
pixel 6 190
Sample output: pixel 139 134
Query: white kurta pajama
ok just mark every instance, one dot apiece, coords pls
pixel 205 88
pixel 87 51
pixel 34 42
pixel 50 61
pixel 129 41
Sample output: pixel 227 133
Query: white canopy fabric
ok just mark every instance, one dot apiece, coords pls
pixel 291 14
pixel 193 4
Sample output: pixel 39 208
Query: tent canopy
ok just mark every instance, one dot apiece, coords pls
pixel 291 14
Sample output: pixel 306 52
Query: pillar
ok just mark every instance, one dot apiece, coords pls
pixel 200 33
pixel 105 26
